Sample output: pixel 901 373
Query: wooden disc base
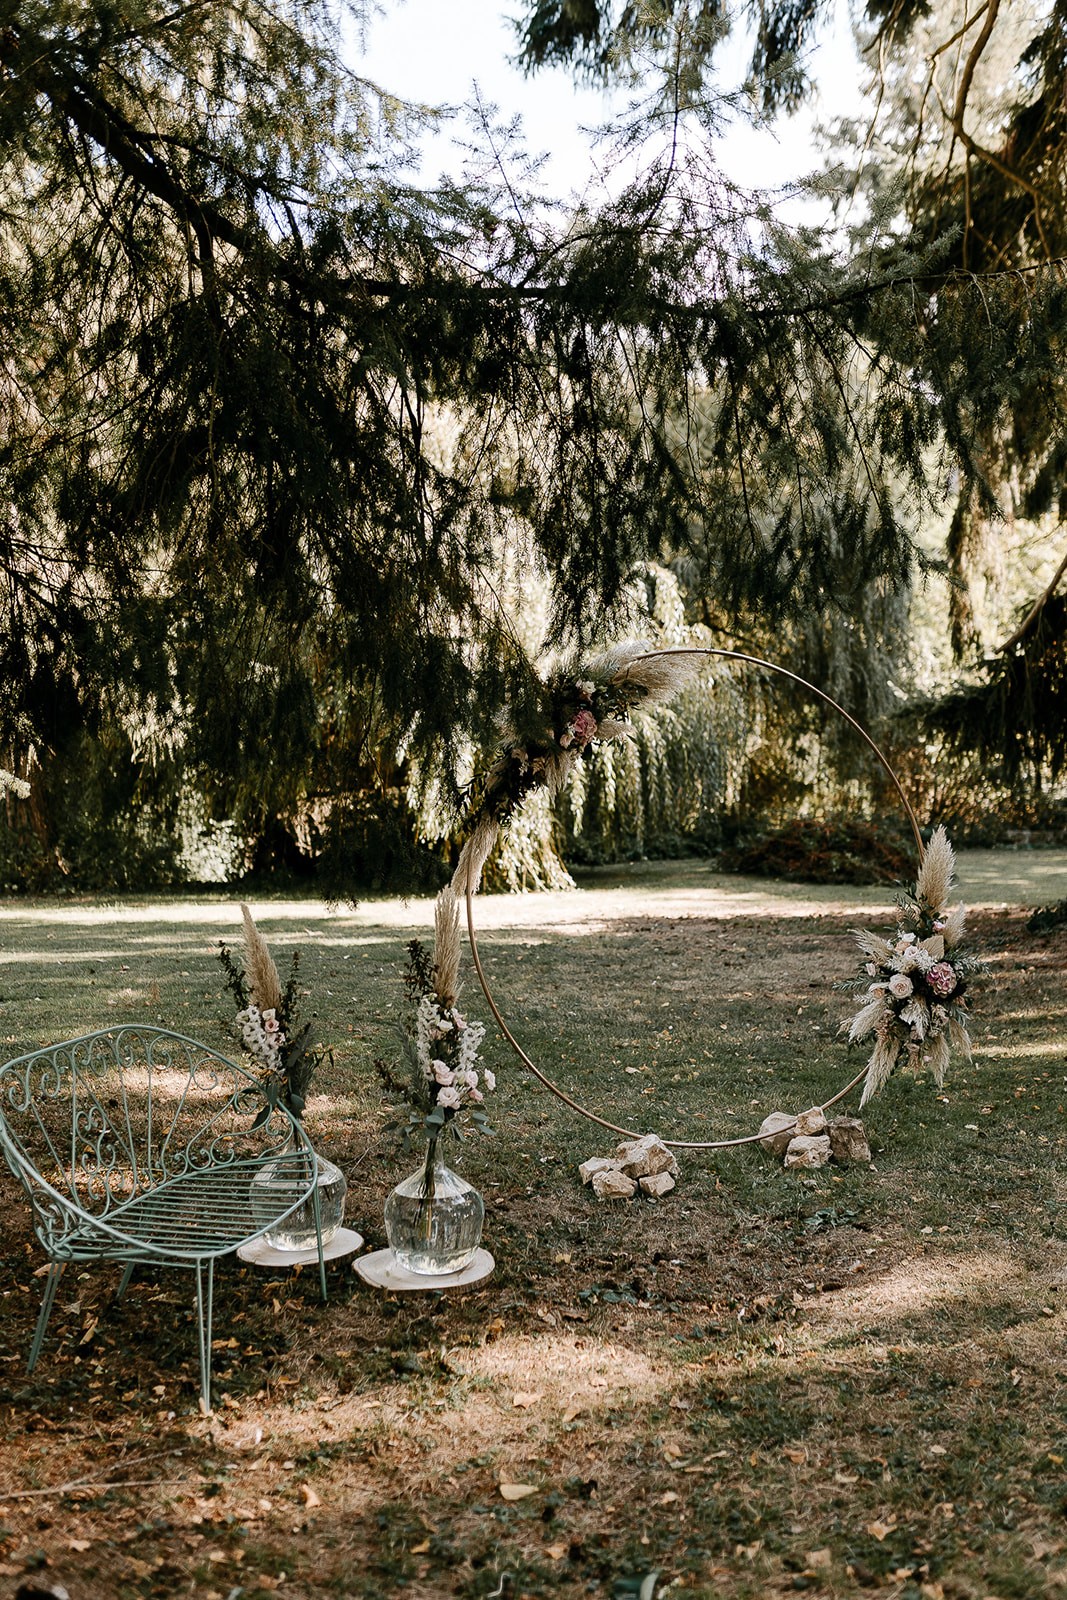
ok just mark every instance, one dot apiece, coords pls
pixel 258 1253
pixel 381 1271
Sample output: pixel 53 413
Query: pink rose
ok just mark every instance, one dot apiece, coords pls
pixel 584 727
pixel 942 979
pixel 900 986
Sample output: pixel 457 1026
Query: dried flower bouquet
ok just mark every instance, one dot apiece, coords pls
pixel 914 999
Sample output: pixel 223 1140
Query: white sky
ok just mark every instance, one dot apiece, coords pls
pixel 439 52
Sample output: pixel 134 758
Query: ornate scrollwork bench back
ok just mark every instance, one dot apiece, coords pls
pixel 139 1145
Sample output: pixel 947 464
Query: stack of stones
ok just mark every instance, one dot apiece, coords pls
pixel 810 1140
pixel 642 1165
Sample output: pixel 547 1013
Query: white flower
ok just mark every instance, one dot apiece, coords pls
pixel 871 969
pixel 470 1042
pixel 450 1099
pixel 900 986
pixel 443 1073
pixel 489 1079
pixel 476 1095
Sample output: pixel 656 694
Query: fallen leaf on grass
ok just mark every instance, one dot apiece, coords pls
pixel 817 1559
pixel 517 1491
pixel 880 1530
pixel 79 1544
pixel 669 1498
pixel 421 1549
pixel 90 1329
pixel 798 1457
pixel 310 1497
pixel 524 1400
pixel 556 1552
pixel 571 1413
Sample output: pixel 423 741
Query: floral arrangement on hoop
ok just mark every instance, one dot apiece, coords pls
pixel 267 1021
pixel 446 1081
pixel 914 1001
pixel 585 703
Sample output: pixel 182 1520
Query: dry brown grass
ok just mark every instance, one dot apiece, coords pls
pixel 761 1385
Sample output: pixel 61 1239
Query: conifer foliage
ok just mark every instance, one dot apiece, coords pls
pixel 269 413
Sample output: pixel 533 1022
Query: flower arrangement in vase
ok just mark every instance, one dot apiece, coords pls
pixel 433 1218
pixel 286 1057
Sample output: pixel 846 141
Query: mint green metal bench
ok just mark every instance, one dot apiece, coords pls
pixel 140 1146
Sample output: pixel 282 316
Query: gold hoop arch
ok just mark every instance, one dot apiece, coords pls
pixel 531 1066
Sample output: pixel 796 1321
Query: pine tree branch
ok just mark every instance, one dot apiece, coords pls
pixel 1035 611
pixel 956 117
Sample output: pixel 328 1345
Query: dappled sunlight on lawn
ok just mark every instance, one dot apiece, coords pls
pixel 1031 1047
pixel 942 1286
pixel 505 1404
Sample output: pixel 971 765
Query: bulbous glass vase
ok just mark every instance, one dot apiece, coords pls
pixel 433 1219
pixel 280 1183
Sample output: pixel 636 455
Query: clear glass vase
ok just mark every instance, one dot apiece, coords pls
pixel 280 1183
pixel 433 1219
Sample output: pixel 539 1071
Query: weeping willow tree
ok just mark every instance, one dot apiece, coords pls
pixel 958 174
pixel 270 413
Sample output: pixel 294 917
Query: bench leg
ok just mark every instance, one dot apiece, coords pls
pixel 124 1282
pixel 204 1296
pixel 55 1272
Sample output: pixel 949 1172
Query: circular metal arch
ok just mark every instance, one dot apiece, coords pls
pixel 531 1066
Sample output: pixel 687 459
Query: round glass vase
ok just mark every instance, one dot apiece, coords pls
pixel 281 1183
pixel 433 1219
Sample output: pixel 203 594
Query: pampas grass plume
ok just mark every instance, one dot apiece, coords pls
pixel 866 1019
pixel 936 875
pixel 446 947
pixel 660 673
pixel 264 984
pixel 883 1060
pixel 954 926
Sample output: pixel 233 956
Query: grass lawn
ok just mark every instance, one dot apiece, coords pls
pixel 853 1381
